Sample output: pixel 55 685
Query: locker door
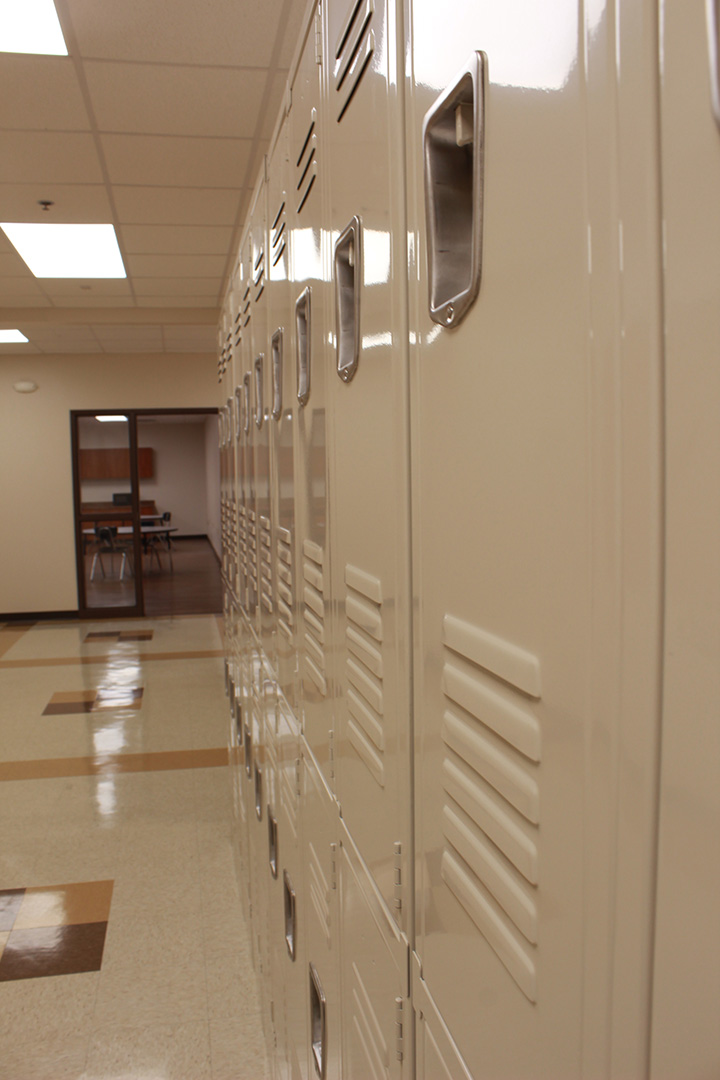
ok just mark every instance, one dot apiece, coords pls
pixel 282 406
pixel 320 831
pixel 369 408
pixel 376 1020
pixel 309 315
pixel 535 368
pixel 686 999
pixel 260 380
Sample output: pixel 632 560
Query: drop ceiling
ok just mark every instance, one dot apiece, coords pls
pixel 157 123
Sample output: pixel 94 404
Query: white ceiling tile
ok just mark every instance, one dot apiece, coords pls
pixel 32 157
pixel 177 286
pixel 18 349
pixel 173 161
pixel 72 203
pixel 95 287
pixel 179 31
pixel 292 28
pixel 175 239
pixel 11 265
pixel 176 206
pixel 90 301
pixel 145 266
pixel 197 300
pixel 40 93
pixel 15 288
pixel 170 100
pixel 193 338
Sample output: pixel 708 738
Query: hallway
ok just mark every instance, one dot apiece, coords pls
pixel 123 950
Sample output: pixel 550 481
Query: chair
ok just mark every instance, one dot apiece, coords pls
pixel 108 543
pixel 156 540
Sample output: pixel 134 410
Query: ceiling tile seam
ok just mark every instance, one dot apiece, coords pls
pixel 69 33
pixel 269 68
pixel 252 165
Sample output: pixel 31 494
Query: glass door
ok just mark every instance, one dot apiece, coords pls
pixel 107 513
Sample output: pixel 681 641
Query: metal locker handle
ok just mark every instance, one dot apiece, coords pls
pixel 277 362
pixel 290 915
pixel 713 21
pixel 453 147
pixel 246 403
pixel 348 269
pixel 303 339
pixel 248 752
pixel 318 1023
pixel 259 391
pixel 272 843
pixel 238 412
pixel 258 793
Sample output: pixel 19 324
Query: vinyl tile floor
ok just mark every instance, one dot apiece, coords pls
pixel 123 948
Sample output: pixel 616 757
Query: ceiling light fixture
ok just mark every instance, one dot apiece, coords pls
pixel 112 419
pixel 66 251
pixel 25 386
pixel 31 26
pixel 9 337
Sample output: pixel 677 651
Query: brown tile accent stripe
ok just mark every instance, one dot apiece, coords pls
pixel 111 764
pixel 71 702
pixel 10 636
pixel 53 929
pixel 85 661
pixel 120 635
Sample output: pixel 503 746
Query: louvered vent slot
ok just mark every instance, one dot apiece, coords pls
pixel 491 810
pixel 266 574
pixel 306 164
pixel 284 582
pixel 367 1030
pixel 259 274
pixel 314 615
pixel 319 891
pixel 245 307
pixel 242 544
pixel 252 556
pixel 278 237
pixel 364 669
pixel 353 53
pixel 238 329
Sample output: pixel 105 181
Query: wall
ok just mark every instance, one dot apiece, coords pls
pixel 212 484
pixel 37 544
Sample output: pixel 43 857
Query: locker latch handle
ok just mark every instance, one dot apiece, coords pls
pixel 290 915
pixel 302 345
pixel 259 391
pixel 248 752
pixel 277 364
pixel 318 1023
pixel 713 20
pixel 453 147
pixel 238 412
pixel 258 793
pixel 272 843
pixel 348 271
pixel 246 404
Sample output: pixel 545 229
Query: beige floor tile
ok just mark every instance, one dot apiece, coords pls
pixel 173 1052
pixel 61 1002
pixel 169 994
pixel 65 904
pixel 238 1049
pixel 44 1054
pixel 232 984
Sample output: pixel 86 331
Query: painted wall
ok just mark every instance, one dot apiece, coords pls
pixel 37 545
pixel 212 484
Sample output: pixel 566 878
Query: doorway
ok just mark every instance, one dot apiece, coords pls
pixel 146 511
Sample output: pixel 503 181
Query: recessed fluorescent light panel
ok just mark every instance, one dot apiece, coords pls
pixel 112 419
pixel 31 26
pixel 8 337
pixel 67 251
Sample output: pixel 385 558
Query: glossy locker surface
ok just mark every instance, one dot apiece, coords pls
pixel 309 314
pixel 686 1001
pixel 368 405
pixel 283 412
pixel 523 526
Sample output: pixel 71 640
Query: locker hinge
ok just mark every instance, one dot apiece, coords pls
pixel 397 878
pixel 318 35
pixel 333 866
pixel 332 754
pixel 399 1045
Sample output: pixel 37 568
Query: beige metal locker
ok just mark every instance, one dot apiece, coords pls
pixel 376 1015
pixel 686 997
pixel 534 241
pixel 368 407
pixel 309 321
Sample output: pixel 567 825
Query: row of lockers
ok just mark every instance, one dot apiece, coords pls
pixel 450 433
